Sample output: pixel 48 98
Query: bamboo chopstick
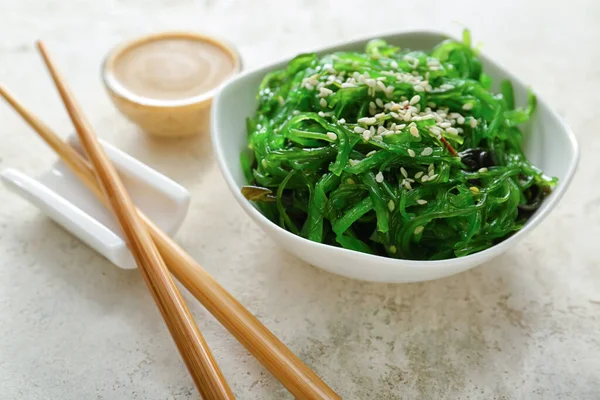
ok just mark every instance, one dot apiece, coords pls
pixel 300 380
pixel 194 350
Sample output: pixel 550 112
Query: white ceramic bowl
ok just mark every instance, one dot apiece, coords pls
pixel 549 144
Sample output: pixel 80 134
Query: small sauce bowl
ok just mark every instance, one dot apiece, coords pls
pixel 165 82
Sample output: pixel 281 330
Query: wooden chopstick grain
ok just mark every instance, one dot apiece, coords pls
pixel 197 356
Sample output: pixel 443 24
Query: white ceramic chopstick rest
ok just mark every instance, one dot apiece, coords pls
pixel 59 194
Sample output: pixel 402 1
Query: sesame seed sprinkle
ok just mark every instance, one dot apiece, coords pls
pixel 427 151
pixel 418 174
pixel 332 135
pixel 391 205
pixel 473 123
pixel 421 202
pixel 379 177
pixel 341 121
pixel 359 129
pixel 372 152
pixel 403 172
pixel 414 131
pixel 415 99
pixel 482 170
pixel 467 106
pixel 323 103
pixel 367 120
pixel 411 152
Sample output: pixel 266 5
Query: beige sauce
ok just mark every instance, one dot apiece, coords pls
pixel 173 68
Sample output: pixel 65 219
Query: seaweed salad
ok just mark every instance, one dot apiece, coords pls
pixel 393 152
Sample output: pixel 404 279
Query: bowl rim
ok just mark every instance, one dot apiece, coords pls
pixel 116 88
pixel 483 255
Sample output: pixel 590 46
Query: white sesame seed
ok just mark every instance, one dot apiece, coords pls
pixel 379 102
pixel 430 168
pixel 415 99
pixel 346 85
pixel 395 115
pixel 379 138
pixel 452 131
pixel 435 130
pixel 381 86
pixel 424 178
pixel 460 120
pixel 359 129
pixel 324 92
pixel 380 115
pixel 369 154
pixel 411 152
pixel 473 123
pixel 482 170
pixel 409 180
pixel 341 121
pixel 353 162
pixel 394 64
pixel 432 177
pixel 445 125
pixel 401 126
pixel 380 129
pixel 403 172
pixel 323 103
pixel 367 120
pixel 370 82
pixel 371 104
pixel 418 88
pixel 379 177
pixel 419 229
pixel 366 134
pixel 414 131
pixel 372 129
pixel 391 205
pixel 421 201
pixel 309 86
pixel 321 114
pixel 264 163
pixel 332 135
pixel 427 151
pixel 295 112
pixel 467 106
pixel 406 184
pixel 418 174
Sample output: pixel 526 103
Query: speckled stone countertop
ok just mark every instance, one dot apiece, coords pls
pixel 72 326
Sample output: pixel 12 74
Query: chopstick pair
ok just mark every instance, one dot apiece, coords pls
pixel 149 243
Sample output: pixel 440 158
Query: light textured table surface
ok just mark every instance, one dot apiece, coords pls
pixel 72 326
